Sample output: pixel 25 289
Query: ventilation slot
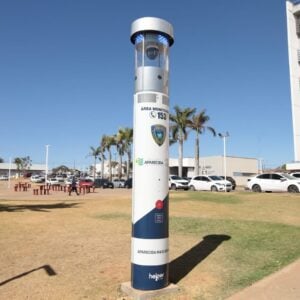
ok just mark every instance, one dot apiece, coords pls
pixel 144 98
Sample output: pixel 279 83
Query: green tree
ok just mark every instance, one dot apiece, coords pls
pixel 198 124
pixel 23 163
pixel 119 143
pixel 26 163
pixel 18 162
pixel 109 141
pixel 61 169
pixel 94 152
pixel 1 160
pixel 102 149
pixel 178 130
pixel 126 136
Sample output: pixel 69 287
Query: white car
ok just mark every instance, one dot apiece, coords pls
pixel 60 178
pixel 209 183
pixel 296 174
pixel 119 183
pixel 53 181
pixel 3 177
pixel 176 182
pixel 274 182
pixel 37 179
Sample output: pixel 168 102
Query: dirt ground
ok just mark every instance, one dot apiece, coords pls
pixel 78 247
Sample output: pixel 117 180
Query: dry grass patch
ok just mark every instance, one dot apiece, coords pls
pixel 61 247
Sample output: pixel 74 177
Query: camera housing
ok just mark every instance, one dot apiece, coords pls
pixel 152 51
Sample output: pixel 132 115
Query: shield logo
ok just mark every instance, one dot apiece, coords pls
pixel 158 134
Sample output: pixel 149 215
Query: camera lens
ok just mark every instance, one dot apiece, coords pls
pixel 152 52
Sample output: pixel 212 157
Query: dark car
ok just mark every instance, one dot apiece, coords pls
pixel 231 180
pixel 86 183
pixel 128 183
pixel 103 183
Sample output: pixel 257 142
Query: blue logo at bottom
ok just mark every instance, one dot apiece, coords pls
pixel 149 277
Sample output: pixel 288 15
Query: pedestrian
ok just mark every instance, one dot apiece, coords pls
pixel 73 187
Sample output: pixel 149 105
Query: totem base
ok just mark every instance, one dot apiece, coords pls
pixel 144 295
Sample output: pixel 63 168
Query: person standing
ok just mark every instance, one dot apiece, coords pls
pixel 73 187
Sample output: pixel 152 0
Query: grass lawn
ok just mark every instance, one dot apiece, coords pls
pixel 64 247
pixel 247 236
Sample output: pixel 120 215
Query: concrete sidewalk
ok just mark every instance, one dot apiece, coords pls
pixel 282 285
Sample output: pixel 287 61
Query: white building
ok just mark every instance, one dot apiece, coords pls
pixel 34 168
pixel 239 168
pixel 293 32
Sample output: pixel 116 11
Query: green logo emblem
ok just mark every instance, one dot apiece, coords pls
pixel 139 161
pixel 158 134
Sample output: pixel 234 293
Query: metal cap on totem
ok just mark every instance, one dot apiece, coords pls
pixel 151 24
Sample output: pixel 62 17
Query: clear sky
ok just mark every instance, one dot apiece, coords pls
pixel 67 75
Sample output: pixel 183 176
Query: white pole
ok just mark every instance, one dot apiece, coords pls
pixel 224 142
pixel 224 136
pixel 46 171
pixel 9 171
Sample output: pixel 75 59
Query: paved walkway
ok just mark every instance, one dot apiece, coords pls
pixel 282 285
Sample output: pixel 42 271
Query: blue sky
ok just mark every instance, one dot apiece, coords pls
pixel 67 69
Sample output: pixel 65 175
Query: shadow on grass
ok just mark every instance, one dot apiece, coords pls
pixel 185 263
pixel 49 270
pixel 35 207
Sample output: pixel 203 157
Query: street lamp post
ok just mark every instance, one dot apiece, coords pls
pixel 46 171
pixel 224 136
pixel 9 172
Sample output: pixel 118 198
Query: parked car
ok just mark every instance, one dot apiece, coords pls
pixel 296 174
pixel 119 183
pixel 176 182
pixel 86 183
pixel 274 182
pixel 3 177
pixel 53 181
pixel 209 183
pixel 103 183
pixel 128 183
pixel 68 181
pixel 60 178
pixel 187 178
pixel 27 175
pixel 37 179
pixel 233 183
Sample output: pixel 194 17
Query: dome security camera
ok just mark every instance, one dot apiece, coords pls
pixel 152 51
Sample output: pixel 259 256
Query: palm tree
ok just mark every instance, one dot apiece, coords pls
pixel 127 138
pixel 102 148
pixel 178 128
pixel 109 141
pixel 95 152
pixel 198 124
pixel 119 142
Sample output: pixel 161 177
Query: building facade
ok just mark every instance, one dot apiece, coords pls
pixel 5 168
pixel 239 168
pixel 293 33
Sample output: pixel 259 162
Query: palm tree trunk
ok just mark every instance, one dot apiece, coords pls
pixel 109 162
pixel 102 166
pixel 95 167
pixel 196 166
pixel 128 164
pixel 180 157
pixel 120 166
